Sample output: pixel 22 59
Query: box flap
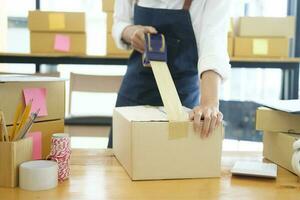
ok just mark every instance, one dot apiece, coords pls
pixel 290 106
pixel 26 78
pixel 144 113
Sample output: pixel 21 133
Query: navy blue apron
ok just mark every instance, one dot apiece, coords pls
pixel 139 86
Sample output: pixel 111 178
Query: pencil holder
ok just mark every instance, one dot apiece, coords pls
pixel 12 154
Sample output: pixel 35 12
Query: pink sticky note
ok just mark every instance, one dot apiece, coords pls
pixel 38 95
pixel 62 43
pixel 37 144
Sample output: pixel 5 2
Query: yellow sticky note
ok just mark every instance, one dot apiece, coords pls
pixel 56 21
pixel 260 47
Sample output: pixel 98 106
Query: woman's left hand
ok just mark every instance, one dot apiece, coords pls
pixel 211 116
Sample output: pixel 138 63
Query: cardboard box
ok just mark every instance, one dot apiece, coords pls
pixel 142 145
pixel 261 47
pixel 230 46
pixel 112 49
pixel 11 87
pixel 58 43
pixel 108 5
pixel 12 154
pixel 277 121
pixel 278 148
pixel 267 27
pixel 41 21
pixel 47 129
pixel 109 22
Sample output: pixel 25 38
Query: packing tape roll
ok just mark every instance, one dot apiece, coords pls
pixel 38 175
pixel 296 158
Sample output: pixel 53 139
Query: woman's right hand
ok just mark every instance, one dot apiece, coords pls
pixel 135 35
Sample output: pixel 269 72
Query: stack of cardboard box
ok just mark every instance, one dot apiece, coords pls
pixel 111 48
pixel 264 36
pixel 12 88
pixel 280 131
pixel 57 32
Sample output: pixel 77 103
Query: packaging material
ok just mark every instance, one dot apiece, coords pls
pixel 108 5
pixel 142 144
pixel 261 47
pixel 11 87
pixel 47 129
pixel 277 121
pixel 278 148
pixel 12 154
pixel 267 27
pixel 58 43
pixel 230 46
pixel 41 21
pixel 112 49
pixel 109 22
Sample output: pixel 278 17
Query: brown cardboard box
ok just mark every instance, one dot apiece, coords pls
pixel 267 27
pixel 109 22
pixel 44 42
pixel 261 47
pixel 230 46
pixel 112 49
pixel 142 145
pixel 47 128
pixel 277 121
pixel 11 89
pixel 278 148
pixel 12 154
pixel 108 5
pixel 42 21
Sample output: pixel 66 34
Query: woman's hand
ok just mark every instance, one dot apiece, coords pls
pixel 135 35
pixel 208 110
pixel 211 116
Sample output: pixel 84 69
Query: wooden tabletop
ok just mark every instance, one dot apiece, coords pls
pixel 96 174
pixel 233 59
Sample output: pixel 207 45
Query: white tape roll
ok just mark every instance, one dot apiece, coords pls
pixel 296 158
pixel 38 175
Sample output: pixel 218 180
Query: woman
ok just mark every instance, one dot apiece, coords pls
pixel 196 37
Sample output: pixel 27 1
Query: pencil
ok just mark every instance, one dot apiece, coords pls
pixel 16 118
pixel 25 116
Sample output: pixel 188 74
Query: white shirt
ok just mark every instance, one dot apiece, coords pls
pixel 210 19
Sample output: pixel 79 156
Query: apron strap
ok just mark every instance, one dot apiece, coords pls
pixel 187 4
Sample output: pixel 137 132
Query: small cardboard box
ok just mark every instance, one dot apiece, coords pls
pixel 108 5
pixel 112 49
pixel 58 43
pixel 230 46
pixel 47 129
pixel 278 148
pixel 142 145
pixel 277 121
pixel 12 154
pixel 11 87
pixel 267 27
pixel 261 47
pixel 41 21
pixel 109 22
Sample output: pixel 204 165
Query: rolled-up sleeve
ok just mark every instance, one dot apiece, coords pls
pixel 211 27
pixel 123 17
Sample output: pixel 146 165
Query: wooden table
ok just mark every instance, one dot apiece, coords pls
pixel 97 175
pixel 289 66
